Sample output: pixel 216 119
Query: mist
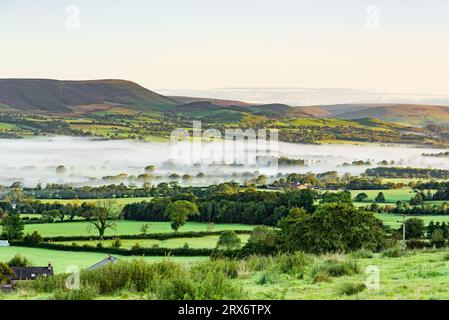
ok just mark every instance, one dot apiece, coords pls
pixel 88 161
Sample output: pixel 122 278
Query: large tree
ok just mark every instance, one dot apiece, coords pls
pixel 103 216
pixel 333 227
pixel 13 226
pixel 179 212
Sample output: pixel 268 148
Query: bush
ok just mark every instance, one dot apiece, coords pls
pixel 256 263
pixel 78 294
pixel 34 238
pixel 362 254
pixel 227 266
pixel 394 252
pixel 417 244
pixel 335 268
pixel 116 243
pixel 267 277
pixel 293 264
pixel 350 289
pixel 19 261
pixel 437 239
pixel 321 276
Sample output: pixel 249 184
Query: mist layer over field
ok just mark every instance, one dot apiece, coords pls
pixel 99 162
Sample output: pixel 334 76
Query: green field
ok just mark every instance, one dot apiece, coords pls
pixel 391 196
pixel 194 243
pixel 62 259
pixel 123 227
pixel 121 201
pixel 416 275
pixel 395 220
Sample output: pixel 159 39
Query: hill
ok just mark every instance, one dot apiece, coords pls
pixel 418 115
pixel 54 96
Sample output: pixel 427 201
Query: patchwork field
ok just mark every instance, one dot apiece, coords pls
pixel 121 201
pixel 395 220
pixel 391 196
pixel 194 243
pixel 123 227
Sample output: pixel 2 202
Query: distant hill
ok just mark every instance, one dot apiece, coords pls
pixel 217 102
pixel 54 96
pixel 401 113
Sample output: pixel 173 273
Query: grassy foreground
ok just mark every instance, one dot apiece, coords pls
pixel 422 274
pixel 62 259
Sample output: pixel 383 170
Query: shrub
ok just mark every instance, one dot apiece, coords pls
pixel 437 239
pixel 362 254
pixel 78 294
pixel 292 263
pixel 116 243
pixel 99 245
pixel 136 247
pixel 335 268
pixel 321 276
pixel 350 289
pixel 19 261
pixel 228 267
pixel 179 288
pixel 417 244
pixel 258 263
pixel 34 238
pixel 267 277
pixel 394 252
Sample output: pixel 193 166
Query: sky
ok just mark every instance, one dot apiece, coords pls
pixel 385 46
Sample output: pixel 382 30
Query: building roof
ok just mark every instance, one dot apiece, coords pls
pixel 30 273
pixel 105 261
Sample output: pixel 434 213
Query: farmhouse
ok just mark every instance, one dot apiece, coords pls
pixel 30 273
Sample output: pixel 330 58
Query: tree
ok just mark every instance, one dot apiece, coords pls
pixel 262 180
pixel 34 238
pixel 380 198
pixel 5 271
pixel 229 240
pixel 437 239
pixel 19 261
pixel 13 226
pixel 263 240
pixel 336 197
pixel 417 200
pixel 103 214
pixel 333 227
pixel 179 211
pixel 361 197
pixel 414 228
pixel 144 228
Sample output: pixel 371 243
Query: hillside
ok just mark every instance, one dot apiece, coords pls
pixel 54 96
pixel 417 115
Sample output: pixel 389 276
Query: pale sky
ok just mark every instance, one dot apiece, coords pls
pixel 205 44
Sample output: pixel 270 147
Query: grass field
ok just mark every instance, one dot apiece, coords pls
pixel 395 220
pixel 417 275
pixel 123 227
pixel 62 259
pixel 195 243
pixel 391 196
pixel 121 201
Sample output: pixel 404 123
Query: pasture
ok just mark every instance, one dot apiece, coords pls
pixel 391 195
pixel 63 259
pixel 123 227
pixel 395 220
pixel 208 242
pixel 120 201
